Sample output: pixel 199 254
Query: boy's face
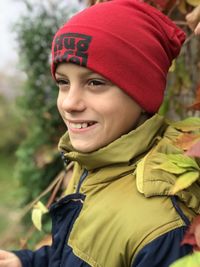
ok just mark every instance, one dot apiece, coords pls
pixel 95 111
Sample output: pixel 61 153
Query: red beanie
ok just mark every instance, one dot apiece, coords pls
pixel 128 42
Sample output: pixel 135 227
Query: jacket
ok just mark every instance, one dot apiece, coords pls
pixel 118 210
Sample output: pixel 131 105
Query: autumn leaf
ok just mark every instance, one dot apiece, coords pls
pixel 187 140
pixel 192 260
pixel 184 181
pixel 38 211
pixel 182 7
pixel 196 104
pixel 173 66
pixel 183 161
pixel 194 151
pixel 170 167
pixel 184 166
pixel 189 124
pixel 194 3
pixel 192 236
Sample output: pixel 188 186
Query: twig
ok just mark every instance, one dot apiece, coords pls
pixel 59 178
pixel 55 191
pixel 189 38
pixel 180 22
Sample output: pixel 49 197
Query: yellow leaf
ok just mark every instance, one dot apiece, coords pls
pixel 192 260
pixel 182 6
pixel 37 218
pixel 184 181
pixel 189 124
pixel 37 213
pixel 193 2
pixel 170 167
pixel 173 66
pixel 39 205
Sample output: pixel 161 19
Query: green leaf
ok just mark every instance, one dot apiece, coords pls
pixel 37 213
pixel 183 161
pixel 184 181
pixel 189 124
pixel 188 261
pixel 170 167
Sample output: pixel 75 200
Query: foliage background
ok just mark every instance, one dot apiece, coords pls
pixel 35 137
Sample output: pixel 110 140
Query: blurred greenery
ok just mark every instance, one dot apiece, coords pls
pixel 35 31
pixel 11 195
pixel 37 163
pixel 10 192
pixel 12 130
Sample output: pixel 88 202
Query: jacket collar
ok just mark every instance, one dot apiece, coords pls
pixel 124 151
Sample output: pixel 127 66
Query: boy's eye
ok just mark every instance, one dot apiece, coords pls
pixel 96 82
pixel 62 82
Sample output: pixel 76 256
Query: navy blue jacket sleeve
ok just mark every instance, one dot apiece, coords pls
pixel 164 250
pixel 38 258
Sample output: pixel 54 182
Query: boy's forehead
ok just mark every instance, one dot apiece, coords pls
pixel 65 68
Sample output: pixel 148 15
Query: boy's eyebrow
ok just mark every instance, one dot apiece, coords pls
pixel 86 72
pixel 60 74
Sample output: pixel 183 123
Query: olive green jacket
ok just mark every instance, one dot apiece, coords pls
pixel 128 199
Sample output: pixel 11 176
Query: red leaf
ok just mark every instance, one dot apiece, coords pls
pixel 194 151
pixel 196 104
pixel 186 140
pixel 192 236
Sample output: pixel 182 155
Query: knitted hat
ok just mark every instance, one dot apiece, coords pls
pixel 128 42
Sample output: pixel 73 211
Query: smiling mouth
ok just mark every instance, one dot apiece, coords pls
pixel 81 125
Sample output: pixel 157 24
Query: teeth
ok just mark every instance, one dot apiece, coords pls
pixel 77 126
pixel 81 125
pixel 84 125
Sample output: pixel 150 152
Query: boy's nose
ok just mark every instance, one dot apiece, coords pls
pixel 74 100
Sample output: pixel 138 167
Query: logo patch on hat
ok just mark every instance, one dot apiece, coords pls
pixel 72 47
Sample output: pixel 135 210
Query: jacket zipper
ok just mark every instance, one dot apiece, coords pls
pixel 83 176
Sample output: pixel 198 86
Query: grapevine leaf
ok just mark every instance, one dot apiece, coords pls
pixel 188 261
pixel 186 141
pixel 37 213
pixel 182 7
pixel 193 2
pixel 184 181
pixel 189 124
pixel 194 151
pixel 37 218
pixel 173 66
pixel 192 236
pixel 183 161
pixel 196 104
pixel 170 167
pixel 39 205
